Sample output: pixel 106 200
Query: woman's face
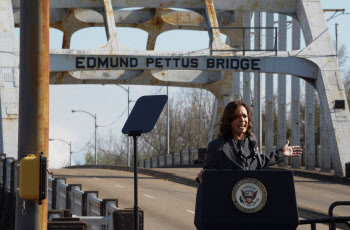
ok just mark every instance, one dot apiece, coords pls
pixel 240 122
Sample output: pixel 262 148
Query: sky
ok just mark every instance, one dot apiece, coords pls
pixel 109 102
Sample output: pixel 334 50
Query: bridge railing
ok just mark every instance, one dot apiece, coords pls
pixel 183 158
pixel 85 205
pixel 196 157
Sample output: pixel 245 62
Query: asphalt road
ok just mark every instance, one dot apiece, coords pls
pixel 166 205
pixel 169 205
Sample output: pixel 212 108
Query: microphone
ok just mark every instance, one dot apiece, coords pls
pixel 255 153
pixel 240 147
pixel 255 148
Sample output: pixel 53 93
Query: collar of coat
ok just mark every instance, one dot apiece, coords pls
pixel 231 151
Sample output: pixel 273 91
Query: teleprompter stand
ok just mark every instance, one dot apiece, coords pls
pixel 231 200
pixel 142 119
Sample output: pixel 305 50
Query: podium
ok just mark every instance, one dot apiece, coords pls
pixel 247 200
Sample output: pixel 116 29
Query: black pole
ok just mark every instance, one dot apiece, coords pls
pixel 136 208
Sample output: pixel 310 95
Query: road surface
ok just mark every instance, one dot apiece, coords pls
pixel 171 206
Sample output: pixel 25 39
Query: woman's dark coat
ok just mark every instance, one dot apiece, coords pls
pixel 223 154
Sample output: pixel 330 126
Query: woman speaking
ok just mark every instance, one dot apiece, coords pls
pixel 236 146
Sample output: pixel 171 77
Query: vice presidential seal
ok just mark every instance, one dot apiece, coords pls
pixel 249 195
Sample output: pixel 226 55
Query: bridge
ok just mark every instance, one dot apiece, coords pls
pixel 166 195
pixel 221 68
pixel 169 204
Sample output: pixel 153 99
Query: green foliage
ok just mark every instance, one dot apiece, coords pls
pixel 89 158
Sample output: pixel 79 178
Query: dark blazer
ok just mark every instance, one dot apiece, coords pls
pixel 223 154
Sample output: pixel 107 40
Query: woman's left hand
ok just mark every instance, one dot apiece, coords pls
pixel 291 151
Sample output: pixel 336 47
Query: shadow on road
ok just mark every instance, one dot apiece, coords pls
pixel 102 177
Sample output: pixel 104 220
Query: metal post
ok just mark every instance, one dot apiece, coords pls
pixel 309 150
pixel 257 83
pixel 167 122
pixel 95 139
pixel 246 46
pixel 336 39
pixel 325 156
pixel 269 99
pixel 70 153
pixel 282 87
pixel 128 139
pixel 136 208
pixel 295 106
pixel 33 133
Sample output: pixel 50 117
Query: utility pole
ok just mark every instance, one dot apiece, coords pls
pixel 70 153
pixel 95 138
pixel 95 117
pixel 128 138
pixel 167 121
pixel 336 39
pixel 33 123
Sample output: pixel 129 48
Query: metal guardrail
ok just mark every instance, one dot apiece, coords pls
pixel 100 214
pixel 77 202
pixel 49 192
pixel 184 158
pixel 331 220
pixel 61 195
pixel 97 222
pixel 196 157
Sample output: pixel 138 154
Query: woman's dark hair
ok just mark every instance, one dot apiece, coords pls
pixel 228 116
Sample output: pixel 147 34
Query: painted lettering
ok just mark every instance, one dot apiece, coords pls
pixel 255 64
pixel 91 62
pixel 210 63
pixel 149 61
pixel 79 62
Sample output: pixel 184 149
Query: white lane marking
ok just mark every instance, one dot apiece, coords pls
pixel 190 211
pixel 96 178
pixel 119 186
pixel 151 197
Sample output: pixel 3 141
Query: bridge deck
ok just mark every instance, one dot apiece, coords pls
pixel 175 202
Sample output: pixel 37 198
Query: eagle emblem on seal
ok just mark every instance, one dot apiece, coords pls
pixel 249 195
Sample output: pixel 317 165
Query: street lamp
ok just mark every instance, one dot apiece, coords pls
pixel 95 117
pixel 127 143
pixel 70 148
